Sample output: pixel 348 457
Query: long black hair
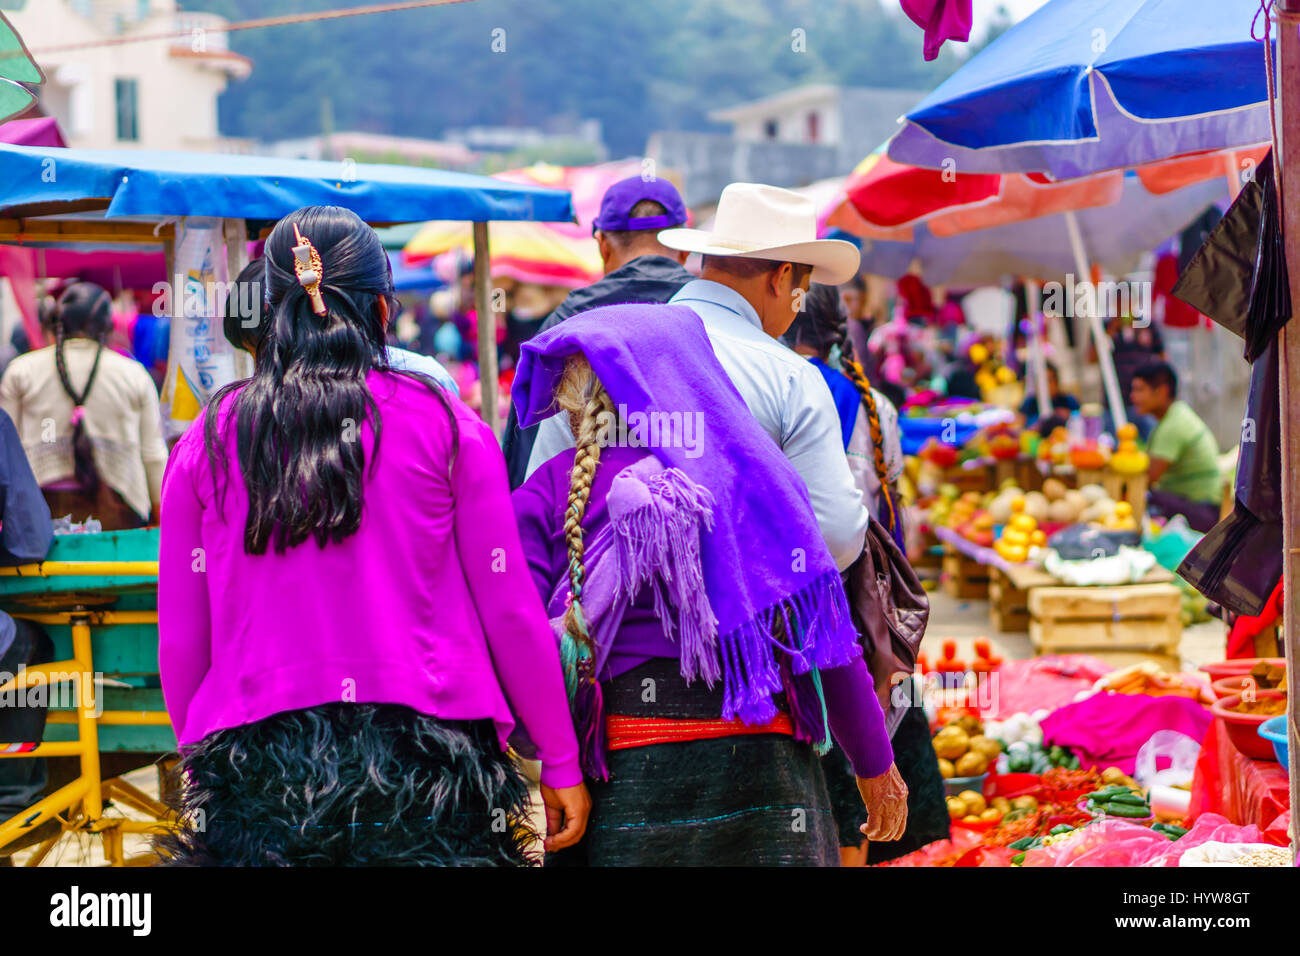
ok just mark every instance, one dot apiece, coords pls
pixel 298 419
pixel 247 320
pixel 84 310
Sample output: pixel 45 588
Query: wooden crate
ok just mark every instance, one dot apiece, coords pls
pixel 1130 488
pixel 1008 604
pixel 1114 623
pixel 968 479
pixel 928 554
pixel 964 578
pixel 1090 476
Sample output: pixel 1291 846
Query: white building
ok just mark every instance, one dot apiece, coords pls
pixel 130 73
pixel 375 148
pixel 852 120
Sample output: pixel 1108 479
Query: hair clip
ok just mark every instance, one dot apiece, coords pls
pixel 307 267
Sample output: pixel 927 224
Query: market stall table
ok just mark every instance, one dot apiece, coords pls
pixel 1244 790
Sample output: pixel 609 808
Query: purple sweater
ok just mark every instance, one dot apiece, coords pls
pixel 851 704
pixel 427 605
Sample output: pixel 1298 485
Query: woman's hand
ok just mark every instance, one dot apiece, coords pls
pixel 886 801
pixel 566 815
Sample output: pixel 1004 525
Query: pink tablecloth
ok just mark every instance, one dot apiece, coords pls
pixel 1048 682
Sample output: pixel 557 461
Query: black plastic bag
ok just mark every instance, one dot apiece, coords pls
pixel 1081 542
pixel 1238 277
pixel 1240 561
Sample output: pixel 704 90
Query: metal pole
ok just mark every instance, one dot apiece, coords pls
pixel 1287 166
pixel 487 329
pixel 236 234
pixel 1037 358
pixel 1108 377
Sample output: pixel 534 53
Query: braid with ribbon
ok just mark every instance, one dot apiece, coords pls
pixel 858 377
pixel 577 651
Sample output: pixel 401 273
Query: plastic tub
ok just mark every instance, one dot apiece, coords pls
pixel 1243 729
pixel 1227 686
pixel 955 785
pixel 1274 730
pixel 1241 665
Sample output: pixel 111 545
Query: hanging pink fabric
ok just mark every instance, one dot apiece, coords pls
pixel 941 20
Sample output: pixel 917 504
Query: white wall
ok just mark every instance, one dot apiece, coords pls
pixel 177 95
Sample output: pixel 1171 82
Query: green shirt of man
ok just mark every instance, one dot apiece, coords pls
pixel 1184 454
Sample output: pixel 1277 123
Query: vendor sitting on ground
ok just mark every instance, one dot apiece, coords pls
pixel 1063 404
pixel 1184 471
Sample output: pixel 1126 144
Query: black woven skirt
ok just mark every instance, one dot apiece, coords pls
pixel 351 785
pixel 748 800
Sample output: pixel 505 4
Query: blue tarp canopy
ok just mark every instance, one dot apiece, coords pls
pixel 38 181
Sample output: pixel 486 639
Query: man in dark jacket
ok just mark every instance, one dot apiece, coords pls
pixel 637 269
pixel 25 536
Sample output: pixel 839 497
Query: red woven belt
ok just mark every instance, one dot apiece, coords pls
pixel 624 732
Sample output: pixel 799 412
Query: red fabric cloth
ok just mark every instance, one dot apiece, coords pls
pixel 1243 790
pixel 919 303
pixel 1178 314
pixel 1241 639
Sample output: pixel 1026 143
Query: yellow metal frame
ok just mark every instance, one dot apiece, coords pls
pixel 79 806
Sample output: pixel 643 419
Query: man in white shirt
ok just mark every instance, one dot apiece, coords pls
pixel 758 262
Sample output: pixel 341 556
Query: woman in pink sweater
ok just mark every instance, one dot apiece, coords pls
pixel 347 629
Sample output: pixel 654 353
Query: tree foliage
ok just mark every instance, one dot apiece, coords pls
pixel 635 65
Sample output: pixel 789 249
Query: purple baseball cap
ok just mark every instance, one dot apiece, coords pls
pixel 616 207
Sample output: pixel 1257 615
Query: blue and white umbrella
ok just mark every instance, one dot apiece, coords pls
pixel 1082 86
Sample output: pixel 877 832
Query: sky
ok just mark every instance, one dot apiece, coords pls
pixel 984 10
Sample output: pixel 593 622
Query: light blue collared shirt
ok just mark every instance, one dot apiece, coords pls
pixel 790 401
pixel 408 361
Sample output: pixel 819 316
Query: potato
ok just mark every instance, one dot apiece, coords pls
pixel 1112 775
pixel 1036 505
pixel 970 724
pixel 970 818
pixel 972 765
pixel 991 815
pixel 1025 803
pixel 951 743
pixel 975 802
pixel 1001 805
pixel 984 745
pixel 1054 489
pixel 956 808
pixel 1061 512
pixel 946 769
pixel 1093 493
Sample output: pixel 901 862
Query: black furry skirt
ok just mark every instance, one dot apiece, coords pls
pixel 351 785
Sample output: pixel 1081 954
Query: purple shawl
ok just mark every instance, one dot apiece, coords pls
pixel 760 550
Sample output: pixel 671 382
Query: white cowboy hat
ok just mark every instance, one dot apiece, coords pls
pixel 754 221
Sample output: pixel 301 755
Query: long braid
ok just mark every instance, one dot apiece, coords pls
pixel 580 479
pixel 577 649
pixel 858 377
pixel 83 451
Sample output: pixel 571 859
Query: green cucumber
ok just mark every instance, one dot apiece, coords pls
pixel 1024 843
pixel 1106 793
pixel 1126 810
pixel 1060 828
pixel 1133 798
pixel 1018 859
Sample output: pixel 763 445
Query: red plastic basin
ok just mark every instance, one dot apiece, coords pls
pixel 1241 665
pixel 1227 686
pixel 1243 729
